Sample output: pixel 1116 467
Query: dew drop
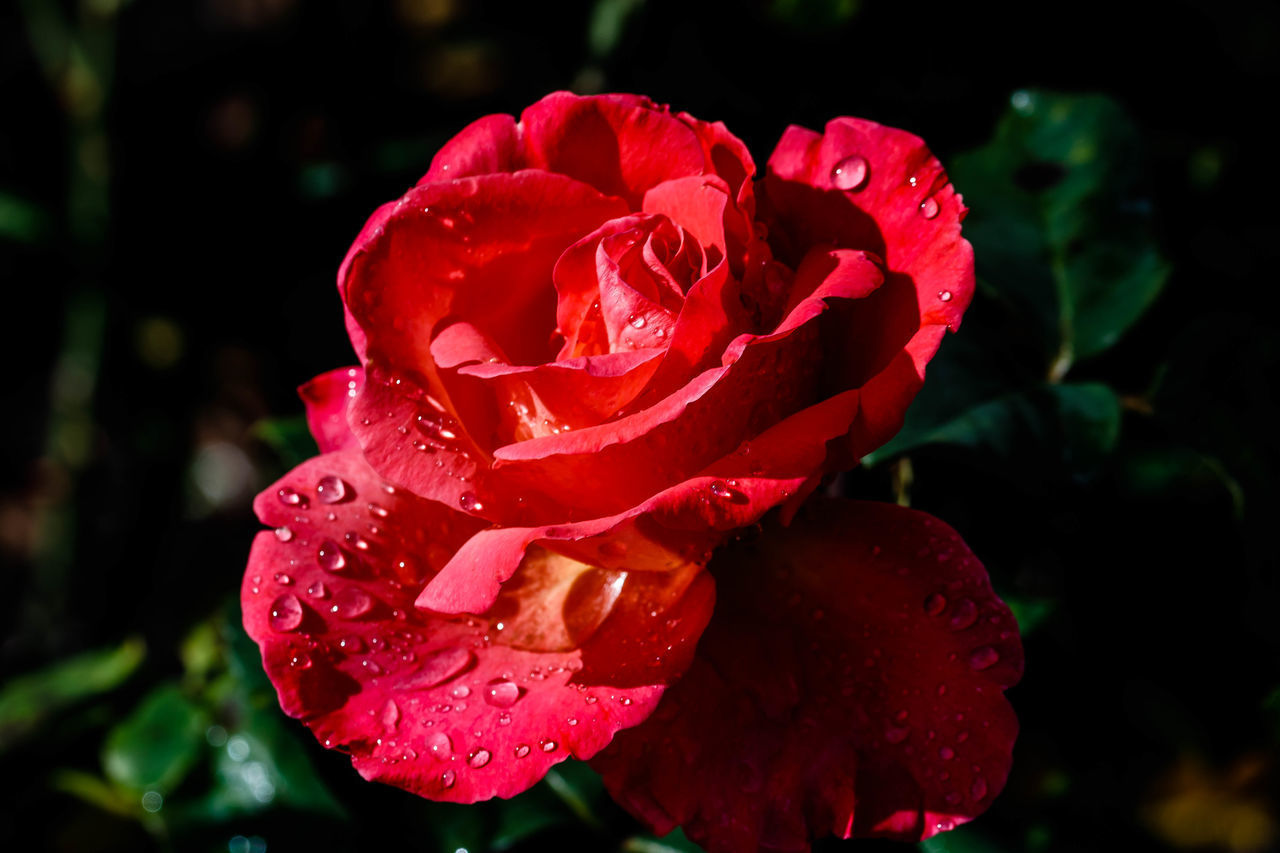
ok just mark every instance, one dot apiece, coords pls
pixel 964 614
pixel 469 503
pixel 946 753
pixel 522 750
pixel 479 758
pixel 979 789
pixel 850 173
pixel 501 693
pixel 283 579
pixel 724 491
pixel 447 778
pixel 983 657
pixel 284 534
pixel 391 714
pixel 929 208
pixel 637 321
pixel 290 497
pixel 352 645
pixel 331 490
pixel 935 603
pixel 355 540
pixel 462 691
pixel 379 511
pixel 439 745
pixel 318 590
pixel 548 745
pixel 351 603
pixel 330 556
pixel 944 295
pixel 504 719
pixel 301 660
pixel 286 613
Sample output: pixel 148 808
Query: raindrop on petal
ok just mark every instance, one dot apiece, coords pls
pixel 479 758
pixel 447 778
pixel 330 556
pixel 850 173
pixel 946 753
pixel 318 590
pixel 522 750
pixel 501 693
pixel 983 657
pixel 637 321
pixel 548 745
pixel 944 295
pixel 929 208
pixel 286 613
pixel 284 534
pixel 290 497
pixel 979 789
pixel 391 714
pixel 964 614
pixel 331 490
pixel 351 603
pixel 935 603
pixel 469 503
pixel 439 745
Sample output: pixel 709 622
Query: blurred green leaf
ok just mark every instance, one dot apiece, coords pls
pixel 155 746
pixel 578 787
pixel 608 22
pixel 962 840
pixel 1181 473
pixel 1029 612
pixel 1069 429
pixel 815 16
pixel 289 438
pixel 1058 224
pixel 673 842
pixel 96 792
pixel 29 700
pixel 20 220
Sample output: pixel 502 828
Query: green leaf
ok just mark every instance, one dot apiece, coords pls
pixel 20 220
pixel 289 438
pixel 1059 227
pixel 609 19
pixel 1029 612
pixel 962 840
pixel 155 746
pixel 1065 429
pixel 27 701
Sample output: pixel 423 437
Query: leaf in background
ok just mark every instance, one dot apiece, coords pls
pixel 155 746
pixel 1082 422
pixel 27 701
pixel 1058 226
pixel 1029 612
pixel 609 19
pixel 673 842
pixel 289 438
pixel 962 840
pixel 20 220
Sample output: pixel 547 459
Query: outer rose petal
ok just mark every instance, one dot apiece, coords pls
pixel 326 398
pixel 851 683
pixel 454 708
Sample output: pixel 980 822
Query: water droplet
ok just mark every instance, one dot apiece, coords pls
pixel 462 691
pixel 929 208
pixel 439 745
pixel 438 667
pixel 935 603
pixel 330 556
pixel 897 734
pixel 286 613
pixel 522 750
pixel 352 645
pixel 391 714
pixel 964 614
pixel 355 540
pixel 379 511
pixel 447 778
pixel 469 503
pixel 946 753
pixel 284 534
pixel 979 789
pixel 501 693
pixel 983 657
pixel 548 745
pixel 573 721
pixel 637 321
pixel 351 603
pixel 301 660
pixel 724 491
pixel 318 590
pixel 504 719
pixel 944 295
pixel 850 173
pixel 290 497
pixel 913 180
pixel 479 758
pixel 331 490
pixel 283 579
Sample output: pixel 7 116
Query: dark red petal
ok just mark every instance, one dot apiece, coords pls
pixel 326 398
pixel 457 708
pixel 729 158
pixel 764 379
pixel 850 683
pixel 488 145
pixel 622 146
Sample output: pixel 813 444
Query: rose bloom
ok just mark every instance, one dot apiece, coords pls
pixel 594 352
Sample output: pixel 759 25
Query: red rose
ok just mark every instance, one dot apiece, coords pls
pixel 591 349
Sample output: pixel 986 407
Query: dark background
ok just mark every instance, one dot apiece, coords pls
pixel 179 181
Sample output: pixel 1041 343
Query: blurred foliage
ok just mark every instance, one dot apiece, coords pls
pixel 180 183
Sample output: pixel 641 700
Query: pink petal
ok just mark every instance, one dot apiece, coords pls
pixel 326 398
pixel 458 708
pixel 851 683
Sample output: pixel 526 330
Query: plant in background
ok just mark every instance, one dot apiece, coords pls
pixel 566 504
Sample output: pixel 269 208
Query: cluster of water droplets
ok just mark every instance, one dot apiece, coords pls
pixel 853 174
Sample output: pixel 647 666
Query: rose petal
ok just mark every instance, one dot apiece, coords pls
pixel 850 683
pixel 488 145
pixel 620 145
pixel 326 398
pixel 453 708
